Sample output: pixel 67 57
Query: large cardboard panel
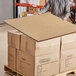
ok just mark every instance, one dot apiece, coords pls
pixel 68 60
pixel 12 58
pixel 25 64
pixel 42 27
pixel 47 64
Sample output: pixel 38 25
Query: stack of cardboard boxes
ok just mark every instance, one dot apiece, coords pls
pixel 13 46
pixel 46 47
pixel 31 58
pixel 68 52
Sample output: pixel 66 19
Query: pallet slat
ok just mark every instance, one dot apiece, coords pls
pixel 11 72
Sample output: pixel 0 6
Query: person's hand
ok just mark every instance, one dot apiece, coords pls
pixel 39 13
pixel 64 19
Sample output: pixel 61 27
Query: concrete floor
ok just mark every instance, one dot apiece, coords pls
pixel 3 48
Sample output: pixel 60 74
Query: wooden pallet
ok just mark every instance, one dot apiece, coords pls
pixel 68 73
pixel 11 72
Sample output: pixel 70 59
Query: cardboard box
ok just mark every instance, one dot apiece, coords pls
pixel 39 48
pixel 28 65
pixel 39 29
pixel 32 9
pixel 14 39
pixel 45 55
pixel 68 42
pixel 47 64
pixel 68 53
pixel 25 64
pixel 27 45
pixel 12 58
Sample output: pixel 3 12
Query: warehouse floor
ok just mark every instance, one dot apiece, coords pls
pixel 3 48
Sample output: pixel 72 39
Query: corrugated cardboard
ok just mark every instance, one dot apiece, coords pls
pixel 14 39
pixel 68 53
pixel 28 65
pixel 68 41
pixel 47 47
pixel 12 58
pixel 25 63
pixel 39 48
pixel 42 27
pixel 28 45
pixel 68 60
pixel 47 64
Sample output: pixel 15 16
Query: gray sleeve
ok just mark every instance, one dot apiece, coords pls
pixel 67 9
pixel 46 7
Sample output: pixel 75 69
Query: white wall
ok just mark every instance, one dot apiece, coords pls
pixel 6 10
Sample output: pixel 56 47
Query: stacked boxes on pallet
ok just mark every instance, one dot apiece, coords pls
pixel 13 46
pixel 38 57
pixel 34 58
pixel 43 50
pixel 68 52
pixel 41 58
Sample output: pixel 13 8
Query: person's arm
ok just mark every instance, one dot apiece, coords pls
pixel 45 8
pixel 67 9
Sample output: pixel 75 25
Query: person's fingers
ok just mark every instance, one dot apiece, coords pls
pixel 64 19
pixel 39 13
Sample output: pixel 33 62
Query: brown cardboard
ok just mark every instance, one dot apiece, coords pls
pixel 47 64
pixel 68 60
pixel 68 41
pixel 41 58
pixel 42 27
pixel 47 47
pixel 25 63
pixel 68 53
pixel 14 39
pixel 27 45
pixel 39 48
pixel 12 58
pixel 28 65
